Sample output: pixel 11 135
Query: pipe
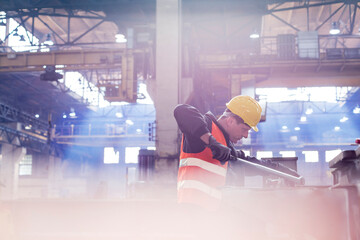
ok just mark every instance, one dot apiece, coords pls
pixel 299 180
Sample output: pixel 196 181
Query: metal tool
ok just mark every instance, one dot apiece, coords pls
pixel 299 180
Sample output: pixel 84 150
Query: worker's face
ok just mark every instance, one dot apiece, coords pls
pixel 237 131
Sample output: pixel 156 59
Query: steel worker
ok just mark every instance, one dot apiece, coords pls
pixel 207 146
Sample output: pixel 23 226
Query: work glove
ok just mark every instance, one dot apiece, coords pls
pixel 219 151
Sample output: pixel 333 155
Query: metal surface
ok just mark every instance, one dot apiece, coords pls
pixel 299 180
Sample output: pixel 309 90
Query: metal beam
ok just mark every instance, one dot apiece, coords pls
pixel 21 139
pixel 20 61
pixel 12 114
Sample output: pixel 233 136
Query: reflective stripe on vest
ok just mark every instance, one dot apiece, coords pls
pixel 196 162
pixel 192 184
pixel 201 177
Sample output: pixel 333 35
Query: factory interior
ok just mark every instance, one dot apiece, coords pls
pixel 89 146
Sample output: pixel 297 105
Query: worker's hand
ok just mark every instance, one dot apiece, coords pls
pixel 219 151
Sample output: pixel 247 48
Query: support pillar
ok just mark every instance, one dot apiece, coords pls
pixel 54 176
pixel 9 172
pixel 167 85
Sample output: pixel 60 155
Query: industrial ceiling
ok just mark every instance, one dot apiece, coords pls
pixel 209 28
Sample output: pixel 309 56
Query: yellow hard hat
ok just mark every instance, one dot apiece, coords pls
pixel 247 108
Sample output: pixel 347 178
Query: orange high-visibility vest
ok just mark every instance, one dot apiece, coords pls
pixel 200 176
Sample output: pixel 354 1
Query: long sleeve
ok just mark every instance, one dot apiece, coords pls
pixel 193 125
pixel 190 120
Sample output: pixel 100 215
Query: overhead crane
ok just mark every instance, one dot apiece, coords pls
pixel 120 60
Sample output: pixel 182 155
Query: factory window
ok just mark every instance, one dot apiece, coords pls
pixel 329 155
pixel 247 152
pixel 311 156
pixel 264 154
pixel 131 154
pixel 287 153
pixel 110 156
pixel 25 165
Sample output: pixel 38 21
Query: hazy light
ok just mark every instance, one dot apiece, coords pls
pixel 303 119
pixel 297 129
pixel 311 156
pixel 288 153
pixel 110 156
pixel 330 154
pixel 254 35
pixel 356 110
pixel 334 31
pixel 129 122
pixel 138 130
pixel 309 111
pixel 131 154
pixel 334 28
pixel 64 116
pixel 72 114
pixel 120 38
pixel 264 154
pixel 344 119
pixel 37 115
pixel 28 127
pixel 337 128
pixel 119 115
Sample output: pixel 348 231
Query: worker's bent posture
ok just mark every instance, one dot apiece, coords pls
pixel 207 146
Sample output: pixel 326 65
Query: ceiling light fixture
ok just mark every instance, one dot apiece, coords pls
pixel 356 110
pixel 119 115
pixel 120 38
pixel 334 29
pixel 344 119
pixel 48 40
pixel 254 35
pixel 309 110
pixel 129 122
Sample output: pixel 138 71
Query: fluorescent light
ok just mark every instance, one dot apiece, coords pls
pixel 356 110
pixel 303 119
pixel 254 35
pixel 138 130
pixel 120 38
pixel 119 115
pixel 309 111
pixel 334 29
pixel 337 128
pixel 48 40
pixel 129 122
pixel 344 119
pixel 37 115
pixel 72 114
pixel 297 129
pixel 284 127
